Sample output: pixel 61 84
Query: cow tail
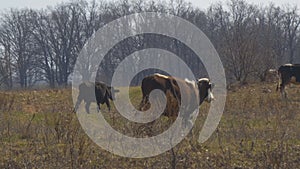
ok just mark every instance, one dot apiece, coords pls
pixel 108 94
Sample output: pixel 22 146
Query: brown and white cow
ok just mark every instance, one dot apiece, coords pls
pixel 200 90
pixel 288 73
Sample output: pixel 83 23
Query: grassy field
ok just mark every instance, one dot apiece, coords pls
pixel 258 130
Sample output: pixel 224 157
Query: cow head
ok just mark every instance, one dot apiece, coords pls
pixel 205 90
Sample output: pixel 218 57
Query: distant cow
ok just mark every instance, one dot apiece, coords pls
pixel 200 90
pixel 288 73
pixel 94 92
pixel 271 75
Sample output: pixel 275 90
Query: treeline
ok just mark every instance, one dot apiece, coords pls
pixel 42 45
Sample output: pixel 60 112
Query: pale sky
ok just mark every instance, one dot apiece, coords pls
pixel 203 4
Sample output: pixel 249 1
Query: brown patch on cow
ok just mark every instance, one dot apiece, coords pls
pixel 293 79
pixel 172 107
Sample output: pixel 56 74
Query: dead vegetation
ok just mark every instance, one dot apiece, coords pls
pixel 258 130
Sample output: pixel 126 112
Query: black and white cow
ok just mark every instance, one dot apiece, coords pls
pixel 288 73
pixel 94 92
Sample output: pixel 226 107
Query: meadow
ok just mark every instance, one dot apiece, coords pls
pixel 258 129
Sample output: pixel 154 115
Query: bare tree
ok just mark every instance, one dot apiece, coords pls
pixel 44 45
pixel 6 65
pixel 17 28
pixel 63 28
pixel 291 21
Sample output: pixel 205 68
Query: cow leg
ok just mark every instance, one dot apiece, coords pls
pixel 285 94
pixel 87 107
pixel 280 80
pixel 141 105
pixel 79 100
pixel 282 91
pixel 98 106
pixel 107 104
pixel 143 102
pixel 77 104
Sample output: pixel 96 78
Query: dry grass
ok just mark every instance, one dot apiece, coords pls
pixel 258 130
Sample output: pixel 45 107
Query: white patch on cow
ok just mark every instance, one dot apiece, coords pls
pixel 272 71
pixel 160 75
pixel 203 79
pixel 192 82
pixel 288 64
pixel 210 96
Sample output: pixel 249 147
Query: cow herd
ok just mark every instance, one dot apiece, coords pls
pixel 193 92
pixel 199 90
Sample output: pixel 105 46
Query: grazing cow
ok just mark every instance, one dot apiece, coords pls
pixel 94 92
pixel 288 73
pixel 200 90
pixel 271 75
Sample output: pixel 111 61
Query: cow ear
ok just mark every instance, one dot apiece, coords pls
pixel 212 85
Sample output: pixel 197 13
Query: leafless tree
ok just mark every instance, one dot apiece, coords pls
pixel 6 64
pixel 44 44
pixel 20 47
pixel 291 21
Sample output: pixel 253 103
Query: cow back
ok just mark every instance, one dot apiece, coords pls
pixel 86 91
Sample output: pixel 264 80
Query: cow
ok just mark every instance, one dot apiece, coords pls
pixel 200 90
pixel 288 73
pixel 94 92
pixel 271 76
